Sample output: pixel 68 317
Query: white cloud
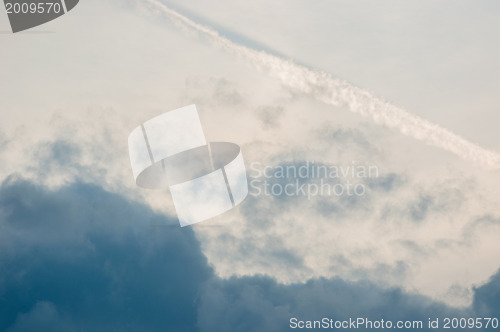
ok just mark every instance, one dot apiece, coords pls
pixel 109 67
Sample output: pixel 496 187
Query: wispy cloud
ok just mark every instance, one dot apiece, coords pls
pixel 336 92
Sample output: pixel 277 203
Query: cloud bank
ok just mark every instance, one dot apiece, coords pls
pixel 82 258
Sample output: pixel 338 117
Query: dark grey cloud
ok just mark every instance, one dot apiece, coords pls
pixel 94 258
pixel 260 304
pixel 348 139
pixel 386 182
pixel 80 258
pixel 487 297
pixel 56 157
pixel 269 116
pixel 419 209
pixel 426 202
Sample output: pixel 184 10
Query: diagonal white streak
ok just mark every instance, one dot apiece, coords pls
pixel 325 88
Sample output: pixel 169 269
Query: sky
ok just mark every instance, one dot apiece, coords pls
pixel 83 248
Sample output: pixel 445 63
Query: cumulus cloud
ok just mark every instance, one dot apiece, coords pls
pixel 93 256
pixel 418 228
pixel 487 297
pixel 82 258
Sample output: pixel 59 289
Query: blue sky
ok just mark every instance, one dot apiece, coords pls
pixel 80 243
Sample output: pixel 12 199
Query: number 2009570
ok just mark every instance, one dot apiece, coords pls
pixel 33 8
pixel 471 323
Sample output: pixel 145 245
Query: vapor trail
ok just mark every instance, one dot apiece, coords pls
pixel 332 91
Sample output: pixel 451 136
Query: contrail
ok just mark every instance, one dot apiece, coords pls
pixel 332 91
